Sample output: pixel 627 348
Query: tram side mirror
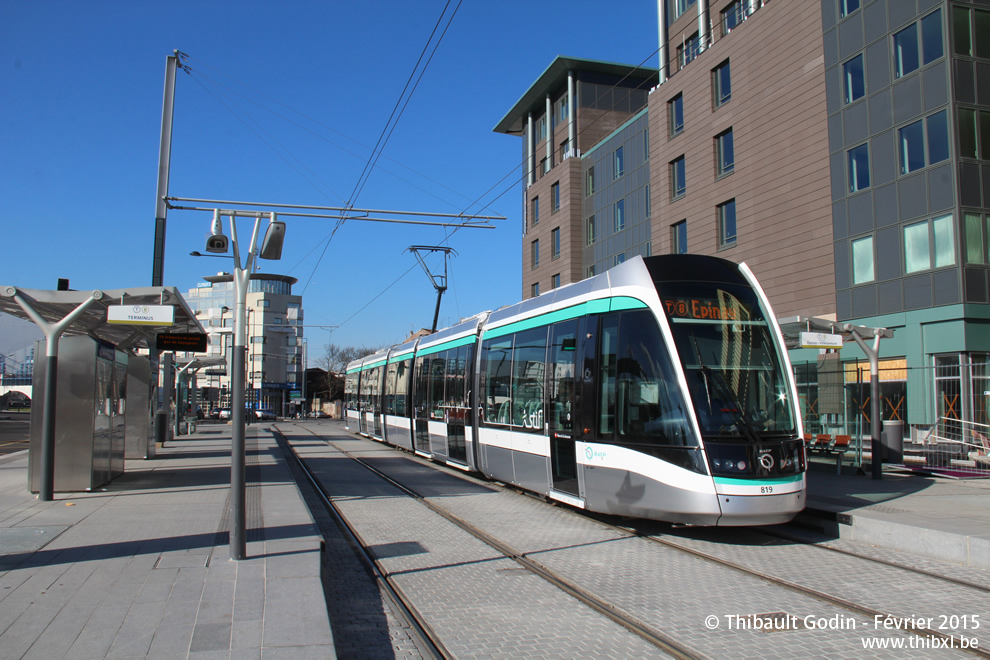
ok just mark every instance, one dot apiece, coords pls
pixel 568 344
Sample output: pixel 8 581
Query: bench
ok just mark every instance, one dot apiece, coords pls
pixel 825 445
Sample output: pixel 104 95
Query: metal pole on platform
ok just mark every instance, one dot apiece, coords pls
pixel 164 154
pixel 238 479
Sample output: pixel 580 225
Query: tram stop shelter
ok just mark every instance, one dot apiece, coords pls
pixel 817 332
pixel 95 400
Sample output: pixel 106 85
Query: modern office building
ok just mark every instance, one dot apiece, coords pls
pixel 275 338
pixel 841 148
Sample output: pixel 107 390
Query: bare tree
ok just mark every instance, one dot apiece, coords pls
pixel 334 361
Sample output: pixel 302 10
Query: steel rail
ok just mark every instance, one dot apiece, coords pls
pixel 425 637
pixel 632 624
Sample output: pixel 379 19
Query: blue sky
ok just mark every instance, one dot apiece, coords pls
pixel 284 103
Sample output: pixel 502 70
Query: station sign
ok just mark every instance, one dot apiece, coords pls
pixel 161 315
pixel 820 340
pixel 192 342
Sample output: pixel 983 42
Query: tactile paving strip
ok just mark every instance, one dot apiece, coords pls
pixel 28 539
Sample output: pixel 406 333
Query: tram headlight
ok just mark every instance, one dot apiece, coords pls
pixel 741 465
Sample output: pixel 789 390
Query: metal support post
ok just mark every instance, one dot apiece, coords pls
pixel 238 485
pixel 164 154
pixel 874 356
pixel 53 332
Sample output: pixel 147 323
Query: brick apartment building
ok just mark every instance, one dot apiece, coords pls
pixel 841 148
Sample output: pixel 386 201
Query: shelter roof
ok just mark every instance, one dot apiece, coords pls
pixel 792 327
pixel 53 306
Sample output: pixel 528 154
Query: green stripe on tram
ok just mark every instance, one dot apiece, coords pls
pixel 778 481
pixel 599 306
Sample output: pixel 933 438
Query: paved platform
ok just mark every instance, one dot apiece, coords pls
pixel 934 517
pixel 141 568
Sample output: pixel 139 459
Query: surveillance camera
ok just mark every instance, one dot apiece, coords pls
pixel 216 244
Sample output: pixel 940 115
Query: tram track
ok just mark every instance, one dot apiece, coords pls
pixel 639 628
pixel 632 623
pixel 426 640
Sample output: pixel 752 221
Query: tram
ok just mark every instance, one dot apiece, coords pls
pixel 659 389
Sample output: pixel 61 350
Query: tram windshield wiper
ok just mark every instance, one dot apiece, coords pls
pixel 732 406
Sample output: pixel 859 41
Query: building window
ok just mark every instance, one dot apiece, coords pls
pixel 853 79
pixel 963 22
pixel 590 271
pixel 678 238
pixel 263 303
pixel 722 84
pixel 618 163
pixel 536 211
pixel 859 168
pixel 910 52
pixel 619 258
pixel 724 156
pixel 862 258
pixel 555 197
pixel 555 243
pixel 732 16
pixel 727 224
pixel 649 208
pixel 534 290
pixel 974 133
pixel 620 215
pixel 929 242
pixel 911 142
pixel 541 129
pixel 535 254
pixel 565 148
pixel 847 7
pixel 555 281
pixel 562 106
pixel 589 182
pixel 590 233
pixel 677 178
pixel 646 144
pixel 688 50
pixel 977 232
pixel 681 6
pixel 675 113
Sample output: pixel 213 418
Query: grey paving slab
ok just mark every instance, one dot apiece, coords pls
pixel 934 517
pixel 140 568
pixel 663 586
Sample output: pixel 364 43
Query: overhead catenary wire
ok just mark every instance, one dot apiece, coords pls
pixel 374 159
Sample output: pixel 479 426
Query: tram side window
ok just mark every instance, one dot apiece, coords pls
pixel 437 369
pixel 373 390
pixel 421 387
pixel 498 379
pixel 528 377
pixel 390 373
pixel 563 355
pixel 396 386
pixel 649 404
pixel 640 401
pixel 350 391
pixel 402 387
pixel 456 375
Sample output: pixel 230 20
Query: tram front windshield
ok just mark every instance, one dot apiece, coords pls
pixel 732 365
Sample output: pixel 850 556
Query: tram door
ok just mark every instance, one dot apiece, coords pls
pixel 421 404
pixel 364 403
pixel 561 404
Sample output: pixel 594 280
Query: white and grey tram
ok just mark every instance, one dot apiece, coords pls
pixel 659 389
